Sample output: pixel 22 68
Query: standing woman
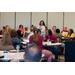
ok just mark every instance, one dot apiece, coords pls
pixel 42 27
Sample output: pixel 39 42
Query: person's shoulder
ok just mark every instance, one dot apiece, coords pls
pixel 40 35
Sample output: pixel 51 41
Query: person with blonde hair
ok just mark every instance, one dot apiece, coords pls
pixel 54 29
pixel 7 29
pixel 6 43
pixel 38 39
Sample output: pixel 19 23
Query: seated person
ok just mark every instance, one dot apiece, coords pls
pixel 7 29
pixel 52 37
pixel 6 43
pixel 65 30
pixel 27 31
pixel 21 29
pixel 54 29
pixel 15 39
pixel 58 34
pixel 32 54
pixel 70 34
pixel 31 33
pixel 38 39
pixel 32 26
pixel 2 30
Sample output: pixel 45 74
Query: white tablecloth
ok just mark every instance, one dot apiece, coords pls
pixel 1 35
pixel 18 55
pixel 52 44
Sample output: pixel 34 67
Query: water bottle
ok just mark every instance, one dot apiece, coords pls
pixel 48 41
pixel 5 54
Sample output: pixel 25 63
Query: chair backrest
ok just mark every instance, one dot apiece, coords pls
pixel 19 33
pixel 58 39
pixel 26 34
pixel 29 44
pixel 70 51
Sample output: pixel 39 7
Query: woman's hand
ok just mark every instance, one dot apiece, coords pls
pixel 14 60
pixel 44 38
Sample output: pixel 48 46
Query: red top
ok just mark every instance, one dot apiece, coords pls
pixel 64 31
pixel 39 42
pixel 52 37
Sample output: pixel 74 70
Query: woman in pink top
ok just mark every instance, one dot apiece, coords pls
pixel 38 40
pixel 21 28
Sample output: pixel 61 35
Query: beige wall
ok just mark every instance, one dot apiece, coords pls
pixel 7 18
pixel 37 17
pixel 23 18
pixel 69 20
pixel 55 18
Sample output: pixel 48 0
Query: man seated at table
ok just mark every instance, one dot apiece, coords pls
pixel 32 54
pixel 54 29
pixel 64 32
pixel 26 32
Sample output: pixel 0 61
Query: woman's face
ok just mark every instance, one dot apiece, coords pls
pixel 47 33
pixel 21 27
pixel 7 27
pixel 41 22
pixel 69 31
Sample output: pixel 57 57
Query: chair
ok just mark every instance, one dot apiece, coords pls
pixel 29 44
pixel 26 34
pixel 19 33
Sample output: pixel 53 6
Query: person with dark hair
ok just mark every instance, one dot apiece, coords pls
pixel 15 39
pixel 27 32
pixel 42 28
pixel 33 53
pixel 21 28
pixel 35 38
pixel 52 37
pixel 70 34
pixel 32 26
pixel 39 32
pixel 58 34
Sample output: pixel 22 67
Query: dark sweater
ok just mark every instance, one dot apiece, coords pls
pixel 16 41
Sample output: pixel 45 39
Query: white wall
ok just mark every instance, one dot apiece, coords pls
pixel 23 18
pixel 7 18
pixel 69 20
pixel 37 17
pixel 55 18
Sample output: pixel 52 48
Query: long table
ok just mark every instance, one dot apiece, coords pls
pixel 14 55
